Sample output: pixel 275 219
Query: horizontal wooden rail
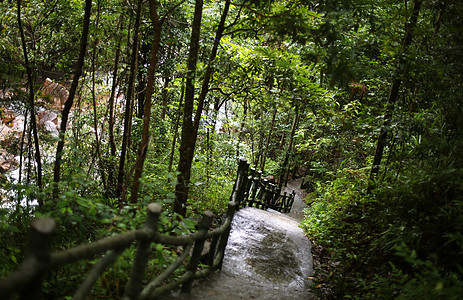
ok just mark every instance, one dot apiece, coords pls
pixel 249 190
pixel 26 281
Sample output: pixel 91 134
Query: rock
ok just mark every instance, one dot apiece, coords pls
pixel 7 161
pixel 6 115
pixel 45 116
pixel 56 93
pixel 51 128
pixel 267 257
pixel 268 247
pixel 17 125
pixel 10 135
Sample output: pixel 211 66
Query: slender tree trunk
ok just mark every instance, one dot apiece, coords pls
pixel 165 97
pixel 267 144
pixel 157 24
pixel 189 128
pixel 30 80
pixel 21 147
pixel 129 101
pixel 243 122
pixel 213 122
pixel 186 144
pixel 112 183
pixel 143 60
pixel 260 151
pixel 112 143
pixel 288 151
pixel 70 100
pixel 393 95
pixel 177 121
pixel 95 113
pixel 255 139
pixel 210 67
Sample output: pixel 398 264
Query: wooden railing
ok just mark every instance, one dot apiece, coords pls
pixel 254 191
pixel 27 280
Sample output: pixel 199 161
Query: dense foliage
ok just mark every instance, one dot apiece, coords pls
pixel 309 89
pixel 400 239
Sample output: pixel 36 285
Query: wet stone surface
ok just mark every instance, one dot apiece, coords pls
pixel 269 248
pixel 267 257
pixel 278 266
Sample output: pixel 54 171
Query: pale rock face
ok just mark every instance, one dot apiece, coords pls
pixel 18 124
pixel 4 130
pixel 45 116
pixel 57 92
pixel 10 136
pixel 6 115
pixel 12 125
pixel 51 128
pixel 7 161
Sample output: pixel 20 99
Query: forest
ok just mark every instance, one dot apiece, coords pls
pixel 108 105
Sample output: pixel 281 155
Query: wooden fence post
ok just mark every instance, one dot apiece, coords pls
pixel 198 248
pixel 133 288
pixel 224 237
pixel 290 202
pixel 244 181
pixel 248 187
pixel 38 260
pixel 212 251
pixel 240 182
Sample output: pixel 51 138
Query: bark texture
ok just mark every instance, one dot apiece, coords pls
pixel 393 95
pixel 70 100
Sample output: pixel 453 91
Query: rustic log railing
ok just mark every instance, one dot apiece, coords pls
pixel 27 280
pixel 254 191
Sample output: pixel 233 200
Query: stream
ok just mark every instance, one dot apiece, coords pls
pixel 267 257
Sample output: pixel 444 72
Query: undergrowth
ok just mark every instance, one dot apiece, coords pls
pixel 403 241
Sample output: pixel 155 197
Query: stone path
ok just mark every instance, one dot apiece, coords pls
pixel 267 257
pixel 297 210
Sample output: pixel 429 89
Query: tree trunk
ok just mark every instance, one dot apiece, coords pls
pixel 143 60
pixel 187 141
pixel 165 97
pixel 393 95
pixel 112 143
pixel 177 121
pixel 267 144
pixel 112 183
pixel 211 137
pixel 260 150
pixel 21 149
pixel 129 102
pixel 284 175
pixel 30 80
pixel 241 131
pixel 189 128
pixel 157 24
pixel 70 100
pixel 95 113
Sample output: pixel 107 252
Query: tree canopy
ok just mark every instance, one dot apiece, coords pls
pixel 107 105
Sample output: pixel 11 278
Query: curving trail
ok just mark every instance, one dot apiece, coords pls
pixel 297 211
pixel 267 257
